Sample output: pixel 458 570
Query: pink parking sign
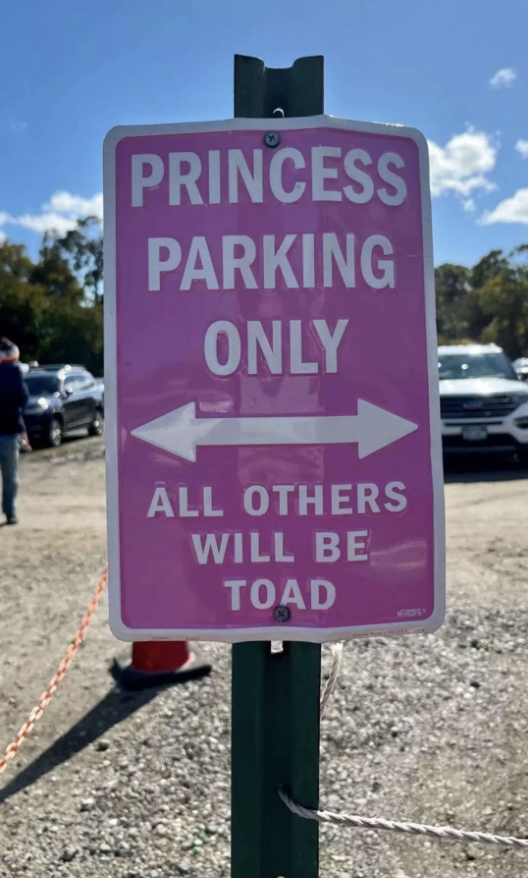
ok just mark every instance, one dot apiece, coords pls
pixel 273 444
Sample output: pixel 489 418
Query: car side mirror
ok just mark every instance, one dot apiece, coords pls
pixel 67 391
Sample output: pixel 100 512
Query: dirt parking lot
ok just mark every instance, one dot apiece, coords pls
pixel 137 786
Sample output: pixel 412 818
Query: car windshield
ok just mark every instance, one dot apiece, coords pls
pixel 42 384
pixel 474 366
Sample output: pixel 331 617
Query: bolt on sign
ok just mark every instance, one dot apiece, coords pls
pixel 273 445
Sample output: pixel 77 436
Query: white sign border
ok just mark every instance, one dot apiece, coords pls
pixel 275 632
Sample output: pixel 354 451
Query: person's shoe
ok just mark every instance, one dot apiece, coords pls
pixel 12 519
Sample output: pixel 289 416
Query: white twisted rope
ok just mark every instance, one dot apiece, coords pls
pixel 328 691
pixel 439 832
pixel 443 833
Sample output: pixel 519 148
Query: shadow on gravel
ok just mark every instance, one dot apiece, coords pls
pixel 483 468
pixel 78 446
pixel 113 709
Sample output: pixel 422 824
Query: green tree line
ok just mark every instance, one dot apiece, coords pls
pixel 52 307
pixel 486 303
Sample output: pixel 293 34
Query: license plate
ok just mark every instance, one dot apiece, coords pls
pixel 474 434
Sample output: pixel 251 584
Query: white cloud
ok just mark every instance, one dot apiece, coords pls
pixel 511 210
pixel 59 215
pixel 522 148
pixel 462 164
pixel 75 205
pixel 503 77
pixel 45 222
pixel 469 204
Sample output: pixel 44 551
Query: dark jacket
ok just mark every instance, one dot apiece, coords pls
pixel 13 397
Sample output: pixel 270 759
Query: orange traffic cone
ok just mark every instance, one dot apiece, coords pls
pixel 158 663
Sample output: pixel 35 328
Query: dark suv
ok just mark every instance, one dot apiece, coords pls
pixel 62 399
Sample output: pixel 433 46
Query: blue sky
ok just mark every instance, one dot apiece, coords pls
pixel 456 70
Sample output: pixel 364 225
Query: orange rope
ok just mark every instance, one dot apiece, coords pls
pixel 12 749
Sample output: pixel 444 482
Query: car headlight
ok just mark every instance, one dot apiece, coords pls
pixel 38 405
pixel 519 399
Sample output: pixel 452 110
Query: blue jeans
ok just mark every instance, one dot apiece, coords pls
pixel 9 448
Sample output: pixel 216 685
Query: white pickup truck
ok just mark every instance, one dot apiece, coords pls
pixel 484 406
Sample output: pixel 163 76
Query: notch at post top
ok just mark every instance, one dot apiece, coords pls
pixel 297 90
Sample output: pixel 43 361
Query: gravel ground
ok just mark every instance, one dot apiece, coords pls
pixel 426 728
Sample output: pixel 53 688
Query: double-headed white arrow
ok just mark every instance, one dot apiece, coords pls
pixel 180 431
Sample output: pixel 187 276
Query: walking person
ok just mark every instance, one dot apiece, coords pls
pixel 13 397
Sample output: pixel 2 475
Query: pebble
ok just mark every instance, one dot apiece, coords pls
pixel 68 855
pixel 87 804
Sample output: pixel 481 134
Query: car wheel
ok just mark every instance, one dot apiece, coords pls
pixel 54 433
pixel 96 428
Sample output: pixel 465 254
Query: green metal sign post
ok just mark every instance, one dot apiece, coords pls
pixel 275 713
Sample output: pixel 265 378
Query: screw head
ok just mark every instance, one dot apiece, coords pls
pixel 281 614
pixel 272 139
